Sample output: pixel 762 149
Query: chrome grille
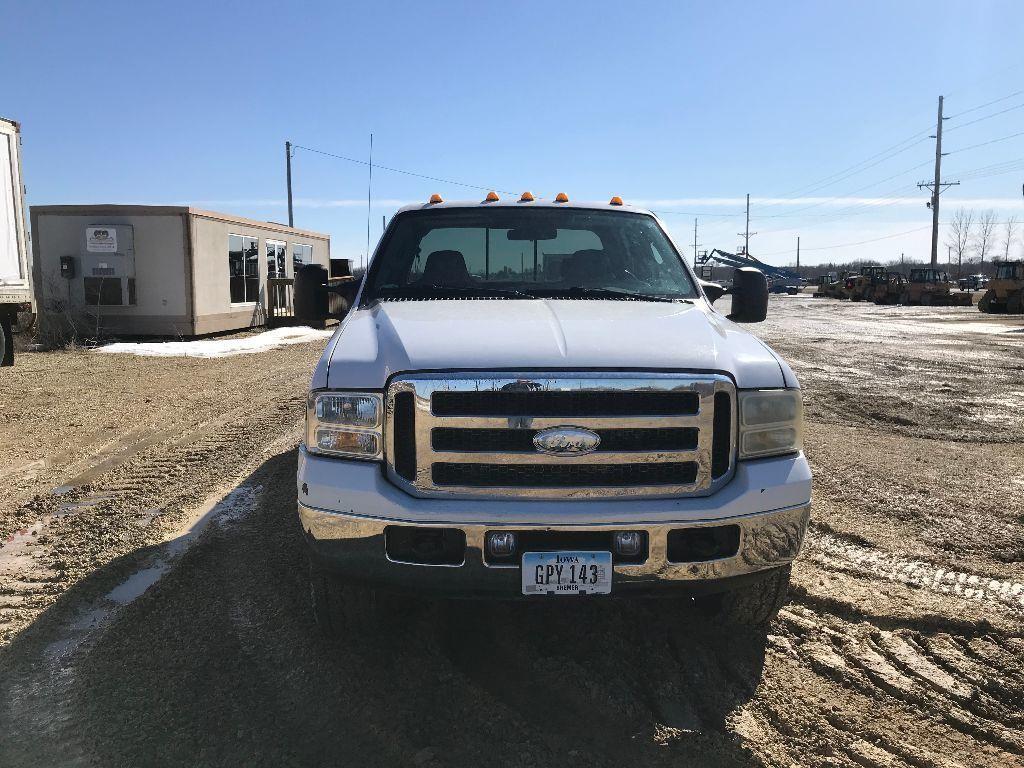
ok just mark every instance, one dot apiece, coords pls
pixel 471 434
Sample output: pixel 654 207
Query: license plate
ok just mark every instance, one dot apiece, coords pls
pixel 567 573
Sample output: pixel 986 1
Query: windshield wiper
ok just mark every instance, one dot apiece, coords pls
pixel 611 293
pixel 430 289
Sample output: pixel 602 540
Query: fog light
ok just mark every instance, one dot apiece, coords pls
pixel 628 543
pixel 501 544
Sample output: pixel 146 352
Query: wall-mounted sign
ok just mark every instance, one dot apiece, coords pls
pixel 101 239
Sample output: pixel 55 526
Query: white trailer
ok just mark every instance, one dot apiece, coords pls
pixel 15 274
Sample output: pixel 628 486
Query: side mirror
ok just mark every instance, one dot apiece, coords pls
pixel 749 296
pixel 712 290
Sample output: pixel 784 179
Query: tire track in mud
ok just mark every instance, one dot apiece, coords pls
pixel 127 504
pixel 946 701
pixel 837 553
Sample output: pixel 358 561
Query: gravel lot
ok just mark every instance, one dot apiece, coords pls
pixel 132 635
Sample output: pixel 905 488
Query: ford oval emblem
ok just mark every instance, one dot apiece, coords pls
pixel 566 441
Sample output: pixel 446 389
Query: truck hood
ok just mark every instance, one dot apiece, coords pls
pixel 396 336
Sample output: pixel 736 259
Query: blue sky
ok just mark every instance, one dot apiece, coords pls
pixel 684 107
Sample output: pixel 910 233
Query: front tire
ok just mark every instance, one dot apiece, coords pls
pixel 752 606
pixel 985 303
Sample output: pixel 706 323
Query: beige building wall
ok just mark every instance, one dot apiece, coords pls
pixel 182 269
pixel 210 271
pixel 161 292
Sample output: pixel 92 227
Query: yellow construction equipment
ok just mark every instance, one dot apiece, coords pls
pixel 863 286
pixel 890 291
pixel 1006 291
pixel 932 287
pixel 839 289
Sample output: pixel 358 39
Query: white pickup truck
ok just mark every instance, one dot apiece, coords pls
pixel 536 399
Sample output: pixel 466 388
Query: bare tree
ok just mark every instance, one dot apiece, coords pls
pixel 959 237
pixel 986 233
pixel 1009 235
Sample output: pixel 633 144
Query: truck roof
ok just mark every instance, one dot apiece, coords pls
pixel 514 202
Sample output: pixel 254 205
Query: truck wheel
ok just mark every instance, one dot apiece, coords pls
pixel 754 605
pixel 343 609
pixel 1015 304
pixel 6 342
pixel 985 303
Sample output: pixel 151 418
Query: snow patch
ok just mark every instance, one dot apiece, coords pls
pixel 246 345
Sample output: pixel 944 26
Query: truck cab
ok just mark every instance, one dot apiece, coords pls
pixel 537 399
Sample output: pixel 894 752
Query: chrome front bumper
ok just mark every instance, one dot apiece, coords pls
pixel 353 546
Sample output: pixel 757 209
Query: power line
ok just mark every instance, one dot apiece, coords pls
pixel 986 104
pixel 380 167
pixel 986 117
pixel 847 245
pixel 856 168
pixel 986 143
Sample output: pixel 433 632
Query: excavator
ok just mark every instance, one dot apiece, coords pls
pixel 1005 292
pixel 931 287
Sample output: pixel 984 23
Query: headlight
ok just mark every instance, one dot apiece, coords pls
pixel 771 422
pixel 345 424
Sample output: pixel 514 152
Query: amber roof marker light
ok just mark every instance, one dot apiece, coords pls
pixel 526 198
pixel 492 197
pixel 561 197
pixel 615 201
pixel 435 199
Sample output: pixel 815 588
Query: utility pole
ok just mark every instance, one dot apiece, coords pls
pixel 798 253
pixel 937 186
pixel 694 243
pixel 288 166
pixel 746 231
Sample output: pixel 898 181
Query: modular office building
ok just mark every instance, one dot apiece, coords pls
pixel 161 270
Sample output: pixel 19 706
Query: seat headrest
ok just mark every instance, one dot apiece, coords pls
pixel 446 268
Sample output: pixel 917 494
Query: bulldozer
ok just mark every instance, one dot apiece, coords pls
pixel 891 290
pixel 866 282
pixel 931 287
pixel 821 284
pixel 839 289
pixel 1005 292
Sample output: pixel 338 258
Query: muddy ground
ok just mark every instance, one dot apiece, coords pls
pixel 131 634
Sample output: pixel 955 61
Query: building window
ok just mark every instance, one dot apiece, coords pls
pixel 302 255
pixel 276 258
pixel 104 292
pixel 244 268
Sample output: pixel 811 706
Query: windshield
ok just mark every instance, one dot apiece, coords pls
pixel 1009 271
pixel 527 253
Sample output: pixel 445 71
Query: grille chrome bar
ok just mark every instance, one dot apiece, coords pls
pixel 598 457
pixel 593 422
pixel 695 395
